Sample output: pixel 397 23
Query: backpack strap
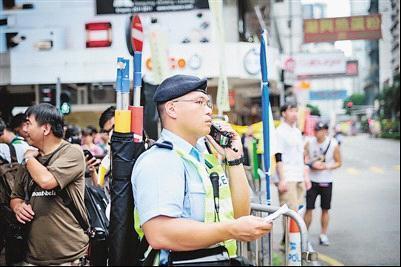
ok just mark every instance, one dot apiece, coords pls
pixel 325 152
pixel 13 153
pixel 31 185
pixel 67 201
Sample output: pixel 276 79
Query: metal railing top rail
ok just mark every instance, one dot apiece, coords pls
pixel 306 254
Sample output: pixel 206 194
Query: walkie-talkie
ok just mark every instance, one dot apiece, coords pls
pixel 223 138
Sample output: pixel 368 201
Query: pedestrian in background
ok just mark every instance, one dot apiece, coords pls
pixel 102 177
pixel 322 154
pixel 88 136
pixel 7 136
pixel 106 124
pixel 290 160
pixel 72 134
pixel 18 125
pixel 12 149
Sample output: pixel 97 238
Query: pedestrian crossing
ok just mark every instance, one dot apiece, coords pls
pixel 376 169
pixel 353 171
pixel 372 169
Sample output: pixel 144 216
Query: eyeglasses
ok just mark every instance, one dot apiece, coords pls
pixel 201 101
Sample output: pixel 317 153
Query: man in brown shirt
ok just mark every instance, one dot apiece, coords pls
pixel 55 236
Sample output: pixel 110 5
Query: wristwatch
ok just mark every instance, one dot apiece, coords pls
pixel 25 160
pixel 235 162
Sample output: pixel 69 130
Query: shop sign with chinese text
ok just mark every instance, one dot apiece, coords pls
pixel 342 28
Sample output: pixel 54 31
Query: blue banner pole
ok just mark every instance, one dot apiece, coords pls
pixel 265 114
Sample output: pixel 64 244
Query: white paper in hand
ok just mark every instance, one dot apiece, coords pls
pixel 271 217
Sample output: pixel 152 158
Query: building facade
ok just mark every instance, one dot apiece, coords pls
pixel 52 40
pixel 395 32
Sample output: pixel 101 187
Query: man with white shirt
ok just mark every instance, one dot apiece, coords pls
pixel 290 160
pixel 323 156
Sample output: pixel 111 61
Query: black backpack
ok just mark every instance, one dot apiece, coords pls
pixel 8 171
pixel 97 230
pixel 12 233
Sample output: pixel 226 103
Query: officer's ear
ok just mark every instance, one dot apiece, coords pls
pixel 170 109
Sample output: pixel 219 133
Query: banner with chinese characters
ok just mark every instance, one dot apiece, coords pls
pixel 342 28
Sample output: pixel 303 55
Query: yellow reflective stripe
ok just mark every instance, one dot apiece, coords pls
pixel 137 224
pixel 226 208
pixel 231 246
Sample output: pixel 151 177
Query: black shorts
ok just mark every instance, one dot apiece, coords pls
pixel 322 189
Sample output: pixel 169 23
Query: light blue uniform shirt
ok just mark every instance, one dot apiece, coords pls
pixel 164 184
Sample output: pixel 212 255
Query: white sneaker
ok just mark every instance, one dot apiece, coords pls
pixel 324 240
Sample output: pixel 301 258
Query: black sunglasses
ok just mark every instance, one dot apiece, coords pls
pixel 107 131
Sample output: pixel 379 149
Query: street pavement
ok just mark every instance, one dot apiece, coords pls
pixel 365 216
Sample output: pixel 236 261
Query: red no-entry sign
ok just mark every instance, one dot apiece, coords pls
pixel 136 34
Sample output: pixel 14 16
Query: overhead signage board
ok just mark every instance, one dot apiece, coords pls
pixel 328 95
pixel 351 70
pixel 143 6
pixel 342 28
pixel 319 64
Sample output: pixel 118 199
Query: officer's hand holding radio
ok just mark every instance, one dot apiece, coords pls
pixel 226 141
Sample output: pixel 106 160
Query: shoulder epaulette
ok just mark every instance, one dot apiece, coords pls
pixel 165 144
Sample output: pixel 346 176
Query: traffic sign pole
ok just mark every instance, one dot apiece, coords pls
pixel 120 66
pixel 137 78
pixel 137 45
pixel 136 109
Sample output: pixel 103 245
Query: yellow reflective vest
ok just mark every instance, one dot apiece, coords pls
pixel 226 209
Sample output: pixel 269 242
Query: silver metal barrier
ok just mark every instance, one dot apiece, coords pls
pixel 307 256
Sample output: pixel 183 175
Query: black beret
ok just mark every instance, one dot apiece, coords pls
pixel 177 86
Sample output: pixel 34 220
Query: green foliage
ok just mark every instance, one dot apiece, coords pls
pixel 355 99
pixel 313 109
pixel 391 135
pixel 390 100
pixel 390 125
pixel 390 109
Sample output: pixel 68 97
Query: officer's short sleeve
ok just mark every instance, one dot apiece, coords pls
pixel 158 183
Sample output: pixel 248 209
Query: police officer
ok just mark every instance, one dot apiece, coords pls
pixel 171 183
